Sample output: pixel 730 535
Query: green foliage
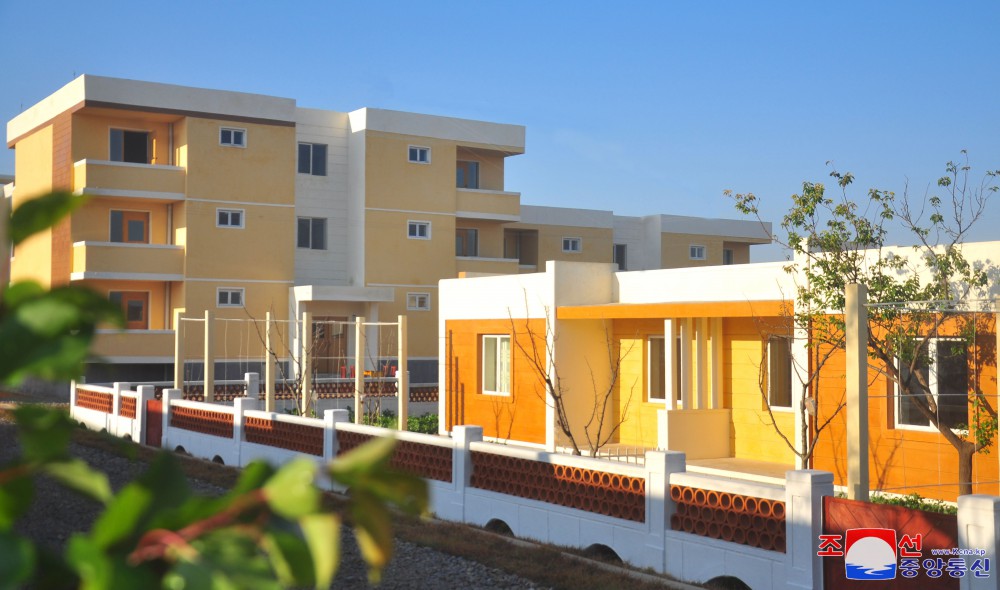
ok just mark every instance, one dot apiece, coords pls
pixel 425 423
pixel 916 502
pixel 269 531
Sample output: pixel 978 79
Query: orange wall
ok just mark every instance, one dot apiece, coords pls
pixel 903 460
pixel 519 416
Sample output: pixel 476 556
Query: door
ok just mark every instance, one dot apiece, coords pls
pixel 135 307
pixel 130 227
pixel 154 422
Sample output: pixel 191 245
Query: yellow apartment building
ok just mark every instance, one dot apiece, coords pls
pixel 241 204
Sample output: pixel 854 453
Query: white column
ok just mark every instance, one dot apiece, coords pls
pixel 269 368
pixel 716 383
pixel 360 346
pixel 169 395
pixel 145 393
pixel 111 421
pixel 209 356
pixel 978 523
pixel 330 420
pixel 669 343
pixel 402 375
pixel 701 362
pixel 804 491
pixel 856 327
pixel 252 381
pixel 178 351
pixel 660 464
pixel 305 361
pixel 687 400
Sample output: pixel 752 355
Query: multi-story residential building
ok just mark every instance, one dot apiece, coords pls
pixel 245 204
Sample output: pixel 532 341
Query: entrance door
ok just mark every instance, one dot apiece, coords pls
pixel 329 345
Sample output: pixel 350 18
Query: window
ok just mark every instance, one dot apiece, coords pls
pixel 620 256
pixel 130 146
pixel 466 242
pixel 232 137
pixel 467 174
pixel 944 368
pixel 727 256
pixel 696 252
pixel 418 301
pixel 230 298
pixel 312 233
pixel 418 230
pixel 229 218
pixel 572 244
pixel 135 307
pixel 657 362
pixel 312 159
pixel 130 227
pixel 496 365
pixel 779 371
pixel 420 155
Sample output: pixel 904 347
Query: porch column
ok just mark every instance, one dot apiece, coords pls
pixel 209 357
pixel 269 369
pixel 178 352
pixel 701 370
pixel 856 328
pixel 402 374
pixel 669 343
pixel 305 360
pixel 716 382
pixel 360 345
pixel 684 367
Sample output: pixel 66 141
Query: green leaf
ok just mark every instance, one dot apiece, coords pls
pixel 290 559
pixel 77 475
pixel 290 492
pixel 17 560
pixel 120 520
pixel 15 497
pixel 322 534
pixel 44 433
pixel 41 213
pixel 371 455
pixel 373 530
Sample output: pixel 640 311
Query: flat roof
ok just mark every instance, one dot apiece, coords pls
pixel 690 309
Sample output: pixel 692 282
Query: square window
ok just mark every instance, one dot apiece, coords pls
pixel 779 371
pixel 418 301
pixel 135 308
pixel 419 155
pixel 230 298
pixel 312 233
pixel 467 174
pixel 496 364
pixel 696 252
pixel 572 244
pixel 232 137
pixel 312 159
pixel 130 146
pixel 130 227
pixel 229 218
pixel 418 230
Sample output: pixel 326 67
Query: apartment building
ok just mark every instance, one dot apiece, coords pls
pixel 245 204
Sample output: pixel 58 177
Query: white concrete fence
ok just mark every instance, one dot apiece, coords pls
pixel 694 527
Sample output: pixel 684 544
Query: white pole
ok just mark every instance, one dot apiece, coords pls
pixel 856 326
pixel 402 376
pixel 209 357
pixel 361 344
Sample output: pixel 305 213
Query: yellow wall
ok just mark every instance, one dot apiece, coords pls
pixel 393 182
pixel 754 435
pixel 491 166
pixel 92 135
pixel 596 246
pixel 92 222
pixel 675 250
pixel 263 249
pixel 233 340
pixel 393 258
pixel 639 425
pixel 33 171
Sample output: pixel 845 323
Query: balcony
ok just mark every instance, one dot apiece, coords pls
pixel 492 266
pixel 128 262
pixel 149 182
pixel 494 205
pixel 134 345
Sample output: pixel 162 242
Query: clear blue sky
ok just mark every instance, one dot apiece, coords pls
pixel 639 107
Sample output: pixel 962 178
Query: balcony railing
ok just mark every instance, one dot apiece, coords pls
pixel 475 264
pixel 124 179
pixel 488 204
pixel 150 345
pixel 112 260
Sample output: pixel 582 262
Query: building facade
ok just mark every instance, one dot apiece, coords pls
pixel 243 205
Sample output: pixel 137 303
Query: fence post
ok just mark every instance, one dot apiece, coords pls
pixel 252 381
pixel 330 445
pixel 978 523
pixel 306 362
pixel 240 405
pixel 402 375
pixel 111 422
pixel 360 347
pixel 463 436
pixel 269 368
pixel 659 507
pixel 169 395
pixel 804 491
pixel 145 393
pixel 856 330
pixel 209 356
pixel 178 351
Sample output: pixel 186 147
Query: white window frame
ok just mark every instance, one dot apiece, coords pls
pixel 411 223
pixel 791 374
pixel 242 130
pixel 697 252
pixel 571 241
pixel 229 291
pixel 229 212
pixel 671 370
pixel 498 365
pixel 418 301
pixel 421 149
pixel 932 346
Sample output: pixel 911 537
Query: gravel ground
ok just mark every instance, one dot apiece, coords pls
pixel 57 513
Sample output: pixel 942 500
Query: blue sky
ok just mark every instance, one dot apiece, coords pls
pixel 639 107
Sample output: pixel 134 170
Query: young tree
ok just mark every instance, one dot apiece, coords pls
pixel 603 421
pixel 914 296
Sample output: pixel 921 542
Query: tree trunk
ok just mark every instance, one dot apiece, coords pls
pixel 966 451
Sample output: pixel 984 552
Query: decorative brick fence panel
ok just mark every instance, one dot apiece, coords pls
pixel 610 494
pixel 284 435
pixel 755 522
pixel 427 461
pixel 937 531
pixel 203 421
pixel 424 394
pixel 126 409
pixel 94 400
